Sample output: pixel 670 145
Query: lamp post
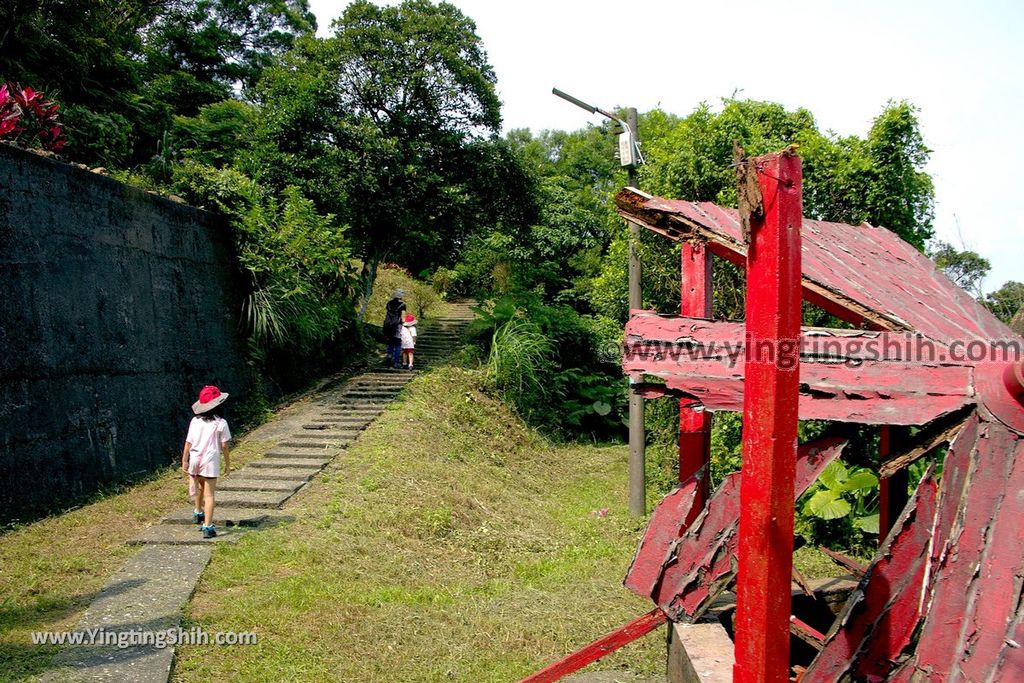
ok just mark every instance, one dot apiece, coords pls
pixel 630 157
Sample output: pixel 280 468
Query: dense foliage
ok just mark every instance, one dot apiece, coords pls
pixel 373 153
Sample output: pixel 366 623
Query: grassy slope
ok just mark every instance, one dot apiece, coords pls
pixel 450 543
pixel 50 570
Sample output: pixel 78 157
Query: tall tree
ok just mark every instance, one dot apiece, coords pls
pixel 965 268
pixel 202 51
pixel 1007 301
pixel 389 124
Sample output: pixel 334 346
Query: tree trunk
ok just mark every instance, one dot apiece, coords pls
pixel 367 278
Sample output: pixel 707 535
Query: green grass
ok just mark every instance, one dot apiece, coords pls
pixel 51 569
pixel 449 543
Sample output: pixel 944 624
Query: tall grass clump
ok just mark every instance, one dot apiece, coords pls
pixel 520 365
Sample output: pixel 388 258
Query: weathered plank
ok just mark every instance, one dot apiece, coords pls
pixel 879 617
pixel 863 273
pixel 996 603
pixel 948 627
pixel 668 522
pixel 704 361
pixel 601 647
pixel 702 563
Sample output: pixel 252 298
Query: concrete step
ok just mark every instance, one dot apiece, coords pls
pixel 327 425
pixel 316 440
pixel 293 473
pixel 180 534
pixel 252 499
pixel 302 452
pixel 339 435
pixel 222 516
pixel 297 462
pixel 234 483
pixel 355 415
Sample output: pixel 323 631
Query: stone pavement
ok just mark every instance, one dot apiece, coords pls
pixel 150 591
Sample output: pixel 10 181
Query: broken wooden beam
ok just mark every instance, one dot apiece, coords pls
pixel 701 565
pixel 601 647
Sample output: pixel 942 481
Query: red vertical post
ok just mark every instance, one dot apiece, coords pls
pixel 772 367
pixel 695 426
pixel 892 490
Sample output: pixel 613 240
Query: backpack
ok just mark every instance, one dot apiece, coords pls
pixel 393 317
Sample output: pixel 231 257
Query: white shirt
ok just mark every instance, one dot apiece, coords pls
pixel 408 337
pixel 206 437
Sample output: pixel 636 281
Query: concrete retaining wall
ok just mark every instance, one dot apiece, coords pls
pixel 116 306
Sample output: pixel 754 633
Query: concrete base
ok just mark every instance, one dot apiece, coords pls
pixel 699 653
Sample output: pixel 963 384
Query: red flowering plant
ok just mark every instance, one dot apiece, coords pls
pixel 28 119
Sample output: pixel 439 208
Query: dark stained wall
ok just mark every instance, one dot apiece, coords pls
pixel 116 307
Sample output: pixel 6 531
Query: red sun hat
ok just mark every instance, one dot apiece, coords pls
pixel 410 319
pixel 209 398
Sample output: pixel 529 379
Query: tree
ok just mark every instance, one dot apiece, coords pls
pixel 389 124
pixel 1006 301
pixel 201 51
pixel 965 268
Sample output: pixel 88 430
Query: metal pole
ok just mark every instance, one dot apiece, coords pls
pixel 637 434
pixel 770 393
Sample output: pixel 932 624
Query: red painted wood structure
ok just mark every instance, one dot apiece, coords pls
pixel 942 600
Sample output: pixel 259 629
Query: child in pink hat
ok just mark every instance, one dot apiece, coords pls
pixel 207 441
pixel 408 334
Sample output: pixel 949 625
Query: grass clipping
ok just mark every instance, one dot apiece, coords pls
pixel 449 543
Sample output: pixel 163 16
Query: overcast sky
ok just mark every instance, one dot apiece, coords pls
pixel 961 63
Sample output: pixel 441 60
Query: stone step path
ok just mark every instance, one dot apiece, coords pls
pixel 156 583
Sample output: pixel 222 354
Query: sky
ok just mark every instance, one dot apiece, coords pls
pixel 960 63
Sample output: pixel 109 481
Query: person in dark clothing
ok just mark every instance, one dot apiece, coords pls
pixel 393 327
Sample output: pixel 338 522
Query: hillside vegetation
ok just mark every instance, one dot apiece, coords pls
pixel 449 543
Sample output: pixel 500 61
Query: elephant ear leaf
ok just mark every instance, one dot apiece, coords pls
pixel 868 524
pixel 834 476
pixel 602 408
pixel 828 505
pixel 860 481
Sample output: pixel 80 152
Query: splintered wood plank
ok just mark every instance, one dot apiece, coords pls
pixel 948 627
pixel 851 565
pixel 996 605
pixel 878 620
pixel 702 563
pixel 668 522
pixel 845 375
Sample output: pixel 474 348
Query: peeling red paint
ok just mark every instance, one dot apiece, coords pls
pixel 701 565
pixel 866 272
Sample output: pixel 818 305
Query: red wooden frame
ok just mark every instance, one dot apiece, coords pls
pixel 770 405
pixel 694 423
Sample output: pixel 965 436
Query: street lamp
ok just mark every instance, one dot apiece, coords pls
pixel 630 157
pixel 629 145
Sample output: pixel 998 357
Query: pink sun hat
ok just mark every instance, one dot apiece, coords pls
pixel 209 398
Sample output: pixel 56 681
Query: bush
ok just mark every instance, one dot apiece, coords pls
pixel 28 119
pixel 420 298
pixel 583 392
pixel 520 366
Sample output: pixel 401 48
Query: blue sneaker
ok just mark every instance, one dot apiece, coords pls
pixel 209 530
pixel 198 517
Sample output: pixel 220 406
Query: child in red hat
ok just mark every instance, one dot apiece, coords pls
pixel 207 441
pixel 408 334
